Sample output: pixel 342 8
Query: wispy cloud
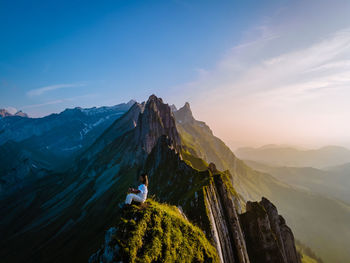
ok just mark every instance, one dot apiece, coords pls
pixel 42 90
pixel 60 101
pixel 51 102
pixel 266 96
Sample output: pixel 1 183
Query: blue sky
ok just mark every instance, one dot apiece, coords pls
pixel 106 52
pixel 270 71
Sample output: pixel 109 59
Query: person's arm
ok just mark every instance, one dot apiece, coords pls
pixel 134 191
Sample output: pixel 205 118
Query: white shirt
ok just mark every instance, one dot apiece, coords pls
pixel 143 191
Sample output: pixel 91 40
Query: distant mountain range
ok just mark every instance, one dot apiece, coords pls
pixel 332 181
pixel 61 212
pixel 30 147
pixel 289 156
pixel 5 113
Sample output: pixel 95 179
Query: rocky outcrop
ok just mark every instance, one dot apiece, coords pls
pixel 156 120
pixel 184 114
pixel 267 236
pixel 108 252
pixel 283 233
pixel 225 226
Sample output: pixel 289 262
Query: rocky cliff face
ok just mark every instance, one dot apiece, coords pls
pixel 184 114
pixel 156 120
pixel 222 205
pixel 268 237
pixel 225 227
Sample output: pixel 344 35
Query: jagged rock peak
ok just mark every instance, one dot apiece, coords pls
pixel 184 114
pixel 156 120
pixel 154 98
pixel 268 238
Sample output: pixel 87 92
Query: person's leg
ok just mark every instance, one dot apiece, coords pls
pixel 136 198
pixel 128 199
pixel 133 197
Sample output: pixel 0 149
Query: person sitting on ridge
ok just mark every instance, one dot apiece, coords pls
pixel 139 194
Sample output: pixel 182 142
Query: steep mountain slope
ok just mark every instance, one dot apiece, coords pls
pixel 62 217
pixel 80 203
pixel 202 195
pixel 20 166
pixel 35 145
pixel 61 133
pixel 199 140
pixel 287 156
pixel 312 217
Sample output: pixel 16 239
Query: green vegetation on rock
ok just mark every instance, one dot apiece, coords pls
pixel 157 232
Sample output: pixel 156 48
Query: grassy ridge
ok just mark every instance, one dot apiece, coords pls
pixel 160 233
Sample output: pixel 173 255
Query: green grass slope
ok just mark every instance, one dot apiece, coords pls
pixel 158 232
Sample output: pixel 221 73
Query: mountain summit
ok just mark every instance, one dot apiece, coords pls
pixel 184 114
pixel 156 120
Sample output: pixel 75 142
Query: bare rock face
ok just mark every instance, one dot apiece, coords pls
pixel 109 251
pixel 184 114
pixel 267 236
pixel 224 220
pixel 156 120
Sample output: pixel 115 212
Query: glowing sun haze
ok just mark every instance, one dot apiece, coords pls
pixel 288 84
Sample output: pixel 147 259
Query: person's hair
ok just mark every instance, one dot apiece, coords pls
pixel 145 178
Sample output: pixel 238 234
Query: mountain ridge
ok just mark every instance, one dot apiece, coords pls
pixel 84 200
